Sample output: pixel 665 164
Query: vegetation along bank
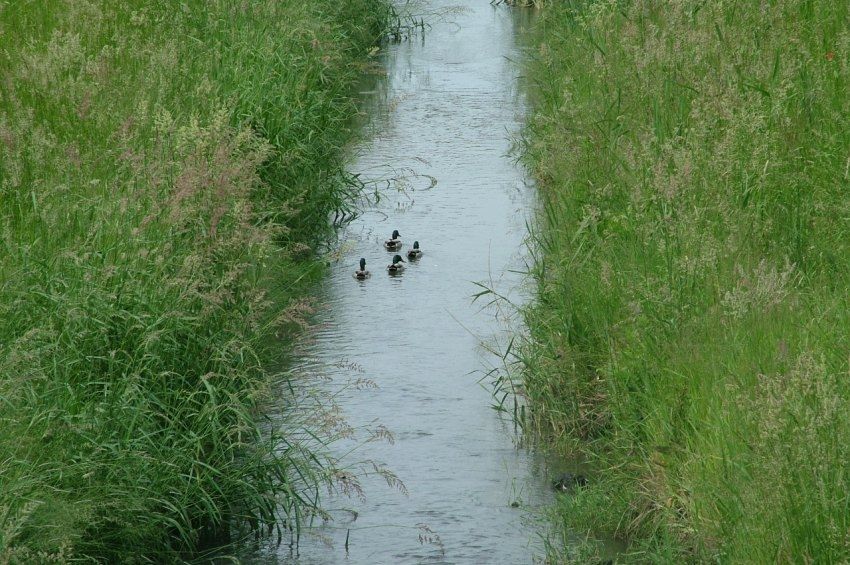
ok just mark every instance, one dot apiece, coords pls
pixel 164 168
pixel 691 334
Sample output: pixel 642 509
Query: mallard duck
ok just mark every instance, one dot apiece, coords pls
pixel 414 253
pixel 394 243
pixel 362 273
pixel 568 482
pixel 396 266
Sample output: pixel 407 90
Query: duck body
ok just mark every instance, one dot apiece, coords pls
pixel 569 482
pixel 362 273
pixel 396 266
pixel 394 243
pixel 414 253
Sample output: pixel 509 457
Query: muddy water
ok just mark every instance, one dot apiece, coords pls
pixel 436 144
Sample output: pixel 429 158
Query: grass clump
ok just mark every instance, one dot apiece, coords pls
pixel 163 167
pixel 690 336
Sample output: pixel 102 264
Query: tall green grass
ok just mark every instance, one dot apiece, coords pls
pixel 692 331
pixel 163 169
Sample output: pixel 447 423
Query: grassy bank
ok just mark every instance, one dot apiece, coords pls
pixel 163 169
pixel 691 333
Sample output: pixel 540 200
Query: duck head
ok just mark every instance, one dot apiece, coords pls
pixel 362 263
pixel 396 234
pixel 398 259
pixel 415 245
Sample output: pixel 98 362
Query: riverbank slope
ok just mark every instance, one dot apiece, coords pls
pixel 690 336
pixel 164 168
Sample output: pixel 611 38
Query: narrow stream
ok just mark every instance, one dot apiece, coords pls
pixel 443 115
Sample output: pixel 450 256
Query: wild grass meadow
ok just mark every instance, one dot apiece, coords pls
pixel 691 336
pixel 165 168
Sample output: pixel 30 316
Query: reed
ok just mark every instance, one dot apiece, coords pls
pixel 690 334
pixel 164 170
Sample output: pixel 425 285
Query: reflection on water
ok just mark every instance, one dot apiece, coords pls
pixel 440 125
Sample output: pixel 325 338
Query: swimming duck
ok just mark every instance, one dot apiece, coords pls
pixel 414 253
pixel 396 266
pixel 394 243
pixel 362 273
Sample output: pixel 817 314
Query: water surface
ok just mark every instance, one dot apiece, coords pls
pixel 439 133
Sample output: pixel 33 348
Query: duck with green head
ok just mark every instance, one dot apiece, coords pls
pixel 396 266
pixel 362 273
pixel 414 253
pixel 394 243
